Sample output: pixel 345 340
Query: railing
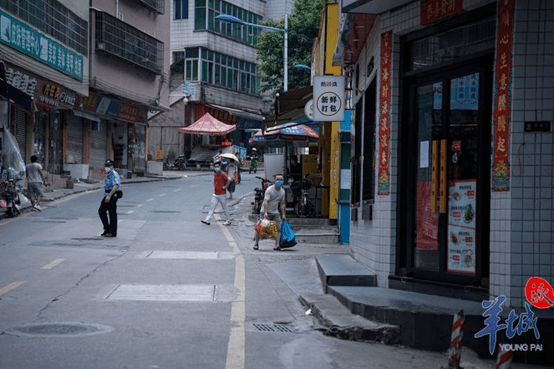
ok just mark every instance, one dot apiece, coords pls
pixel 124 41
pixel 156 5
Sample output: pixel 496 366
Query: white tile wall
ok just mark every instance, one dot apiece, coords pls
pixel 521 227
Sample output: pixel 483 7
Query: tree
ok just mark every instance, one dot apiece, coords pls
pixel 303 29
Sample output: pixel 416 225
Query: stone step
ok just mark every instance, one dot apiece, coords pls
pixel 343 270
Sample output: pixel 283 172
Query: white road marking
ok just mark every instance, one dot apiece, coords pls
pixel 177 190
pixel 194 186
pixel 236 349
pixel 149 200
pixel 10 287
pixel 130 212
pixel 53 264
pixel 163 194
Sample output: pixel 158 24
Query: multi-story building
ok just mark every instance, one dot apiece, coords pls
pixel 214 66
pixel 89 72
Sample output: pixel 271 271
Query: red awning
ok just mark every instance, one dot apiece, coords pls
pixel 208 125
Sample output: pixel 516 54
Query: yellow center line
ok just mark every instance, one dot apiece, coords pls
pixel 10 287
pixel 53 264
pixel 236 349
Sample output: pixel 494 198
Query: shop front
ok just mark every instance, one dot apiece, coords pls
pixel 448 88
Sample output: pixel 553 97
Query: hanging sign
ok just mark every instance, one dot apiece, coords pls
pixel 433 10
pixel 384 125
pixel 502 113
pixel 328 98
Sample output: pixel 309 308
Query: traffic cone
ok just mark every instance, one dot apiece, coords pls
pixel 455 351
pixel 504 359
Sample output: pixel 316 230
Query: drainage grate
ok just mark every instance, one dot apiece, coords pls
pixel 61 329
pixel 272 327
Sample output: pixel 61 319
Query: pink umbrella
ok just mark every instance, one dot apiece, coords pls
pixel 208 125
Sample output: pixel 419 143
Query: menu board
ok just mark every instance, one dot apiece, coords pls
pixel 461 226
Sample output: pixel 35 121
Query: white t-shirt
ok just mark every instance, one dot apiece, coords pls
pixel 273 198
pixel 33 172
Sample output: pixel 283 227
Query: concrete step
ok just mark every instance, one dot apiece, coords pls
pixel 320 236
pixel 343 270
pixel 337 321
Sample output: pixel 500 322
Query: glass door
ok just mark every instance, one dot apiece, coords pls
pixel 448 179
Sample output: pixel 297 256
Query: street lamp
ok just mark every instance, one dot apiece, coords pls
pixel 232 19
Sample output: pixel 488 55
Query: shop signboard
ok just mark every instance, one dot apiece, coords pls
pixel 433 10
pixel 52 96
pixel 30 42
pixel 328 98
pixel 384 113
pixel 502 113
pixel 461 227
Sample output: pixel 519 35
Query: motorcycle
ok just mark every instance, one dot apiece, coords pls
pixel 8 193
pixel 303 208
pixel 178 164
pixel 259 193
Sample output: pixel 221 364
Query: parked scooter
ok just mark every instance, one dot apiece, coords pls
pixel 259 193
pixel 8 193
pixel 178 164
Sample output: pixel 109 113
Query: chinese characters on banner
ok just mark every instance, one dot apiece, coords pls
pixel 433 10
pixel 502 98
pixel 384 122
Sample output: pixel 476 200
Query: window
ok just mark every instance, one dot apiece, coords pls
pixel 181 9
pixel 205 19
pixel 369 169
pixel 52 18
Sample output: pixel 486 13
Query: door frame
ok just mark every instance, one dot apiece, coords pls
pixel 407 211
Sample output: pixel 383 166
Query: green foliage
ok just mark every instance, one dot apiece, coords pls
pixel 303 29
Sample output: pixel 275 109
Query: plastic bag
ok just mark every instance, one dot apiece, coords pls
pixel 266 228
pixel 288 238
pixel 11 156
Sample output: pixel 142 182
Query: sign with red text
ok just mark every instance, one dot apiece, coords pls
pixel 329 98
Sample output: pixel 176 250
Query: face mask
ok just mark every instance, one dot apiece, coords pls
pixel 108 169
pixel 217 170
pixel 279 183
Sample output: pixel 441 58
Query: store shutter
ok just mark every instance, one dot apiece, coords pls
pixel 99 144
pixel 19 119
pixel 74 148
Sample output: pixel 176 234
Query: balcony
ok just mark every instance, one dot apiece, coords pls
pixel 155 5
pixel 119 39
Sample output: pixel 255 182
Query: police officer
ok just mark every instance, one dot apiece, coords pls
pixel 109 200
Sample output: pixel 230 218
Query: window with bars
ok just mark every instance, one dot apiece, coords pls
pixel 205 14
pixel 52 18
pixel 156 5
pixel 118 38
pixel 221 70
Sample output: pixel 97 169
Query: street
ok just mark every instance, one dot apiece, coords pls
pixel 168 292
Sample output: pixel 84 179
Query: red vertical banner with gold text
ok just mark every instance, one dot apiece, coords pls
pixel 384 113
pixel 502 109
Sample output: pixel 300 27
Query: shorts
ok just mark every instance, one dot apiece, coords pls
pixel 35 189
pixel 277 219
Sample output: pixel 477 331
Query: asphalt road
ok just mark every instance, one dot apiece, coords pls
pixel 168 292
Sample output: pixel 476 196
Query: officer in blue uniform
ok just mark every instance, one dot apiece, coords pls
pixel 109 200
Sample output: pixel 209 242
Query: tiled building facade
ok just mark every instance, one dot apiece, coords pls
pixel 411 236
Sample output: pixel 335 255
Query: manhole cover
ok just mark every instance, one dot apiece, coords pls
pixel 272 327
pixel 60 329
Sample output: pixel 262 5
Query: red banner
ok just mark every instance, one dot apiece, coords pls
pixel 384 113
pixel 433 10
pixel 502 113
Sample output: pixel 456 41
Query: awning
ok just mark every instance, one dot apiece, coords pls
pixel 82 114
pixel 209 126
pixel 18 97
pixel 238 112
pixel 371 6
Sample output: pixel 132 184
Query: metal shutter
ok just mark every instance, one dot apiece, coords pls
pixel 98 146
pixel 74 144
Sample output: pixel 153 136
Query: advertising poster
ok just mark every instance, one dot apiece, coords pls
pixel 461 227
